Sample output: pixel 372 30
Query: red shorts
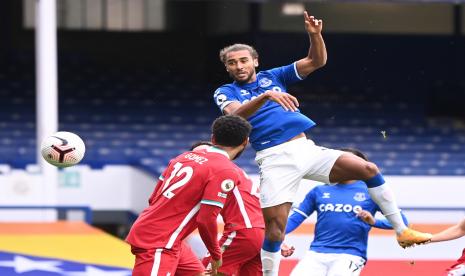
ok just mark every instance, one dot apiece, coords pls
pixel 458 268
pixel 162 261
pixel 241 252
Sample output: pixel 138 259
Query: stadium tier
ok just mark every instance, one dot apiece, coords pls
pixel 134 118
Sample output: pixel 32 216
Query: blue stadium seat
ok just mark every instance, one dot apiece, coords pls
pixel 135 118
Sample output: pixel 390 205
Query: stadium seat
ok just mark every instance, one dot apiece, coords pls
pixel 135 118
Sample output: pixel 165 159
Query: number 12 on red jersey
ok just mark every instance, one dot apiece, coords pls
pixel 178 170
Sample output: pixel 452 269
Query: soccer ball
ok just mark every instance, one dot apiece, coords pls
pixel 63 149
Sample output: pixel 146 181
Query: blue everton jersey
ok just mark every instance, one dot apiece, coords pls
pixel 271 124
pixel 338 230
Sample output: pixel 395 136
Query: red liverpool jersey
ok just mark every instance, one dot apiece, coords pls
pixel 242 208
pixel 191 179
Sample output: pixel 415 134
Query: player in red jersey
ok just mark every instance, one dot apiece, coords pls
pixel 189 194
pixel 244 228
pixel 452 233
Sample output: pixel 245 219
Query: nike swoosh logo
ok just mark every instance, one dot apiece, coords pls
pixel 63 141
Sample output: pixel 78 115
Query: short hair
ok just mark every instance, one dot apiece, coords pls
pixel 355 152
pixel 200 143
pixel 237 47
pixel 230 130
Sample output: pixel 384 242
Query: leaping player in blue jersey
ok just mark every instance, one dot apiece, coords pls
pixel 340 243
pixel 284 154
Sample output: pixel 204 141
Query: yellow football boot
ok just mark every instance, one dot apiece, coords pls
pixel 410 237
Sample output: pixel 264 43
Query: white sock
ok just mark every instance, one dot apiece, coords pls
pixel 384 197
pixel 270 262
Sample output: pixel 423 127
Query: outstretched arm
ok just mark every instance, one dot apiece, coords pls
pixel 317 55
pixel 450 233
pixel 378 223
pixel 305 209
pixel 295 220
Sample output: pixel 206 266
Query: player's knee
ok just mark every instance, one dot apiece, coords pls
pixel 275 231
pixel 371 169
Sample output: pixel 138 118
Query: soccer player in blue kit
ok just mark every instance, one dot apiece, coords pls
pixel 284 154
pixel 340 243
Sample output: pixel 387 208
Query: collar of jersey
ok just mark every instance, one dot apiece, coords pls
pixel 218 150
pixel 247 85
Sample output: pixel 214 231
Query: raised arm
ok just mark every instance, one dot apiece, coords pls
pixel 317 55
pixel 287 101
pixel 450 233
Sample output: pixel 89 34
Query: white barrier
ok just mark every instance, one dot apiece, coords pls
pixel 127 188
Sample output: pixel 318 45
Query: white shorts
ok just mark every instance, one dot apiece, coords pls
pixel 329 264
pixel 282 167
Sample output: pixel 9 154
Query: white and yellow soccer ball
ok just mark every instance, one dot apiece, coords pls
pixel 63 149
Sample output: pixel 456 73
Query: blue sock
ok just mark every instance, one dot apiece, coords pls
pixel 375 181
pixel 271 246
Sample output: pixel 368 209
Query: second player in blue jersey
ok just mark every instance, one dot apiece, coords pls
pixel 340 240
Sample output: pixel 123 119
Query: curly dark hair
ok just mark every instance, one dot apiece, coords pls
pixel 355 152
pixel 230 130
pixel 237 47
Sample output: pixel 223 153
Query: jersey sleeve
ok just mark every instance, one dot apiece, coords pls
pixel 294 221
pixel 385 224
pixel 218 187
pixel 208 229
pixel 307 206
pixel 302 212
pixel 287 74
pixel 223 96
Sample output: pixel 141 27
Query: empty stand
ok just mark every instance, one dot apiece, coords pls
pixel 139 118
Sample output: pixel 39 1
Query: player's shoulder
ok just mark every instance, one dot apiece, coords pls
pixel 223 167
pixel 322 187
pixel 227 176
pixel 276 70
pixel 224 88
pixel 219 157
pixel 359 184
pixel 241 174
pixel 180 157
pixel 266 73
pixel 315 191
